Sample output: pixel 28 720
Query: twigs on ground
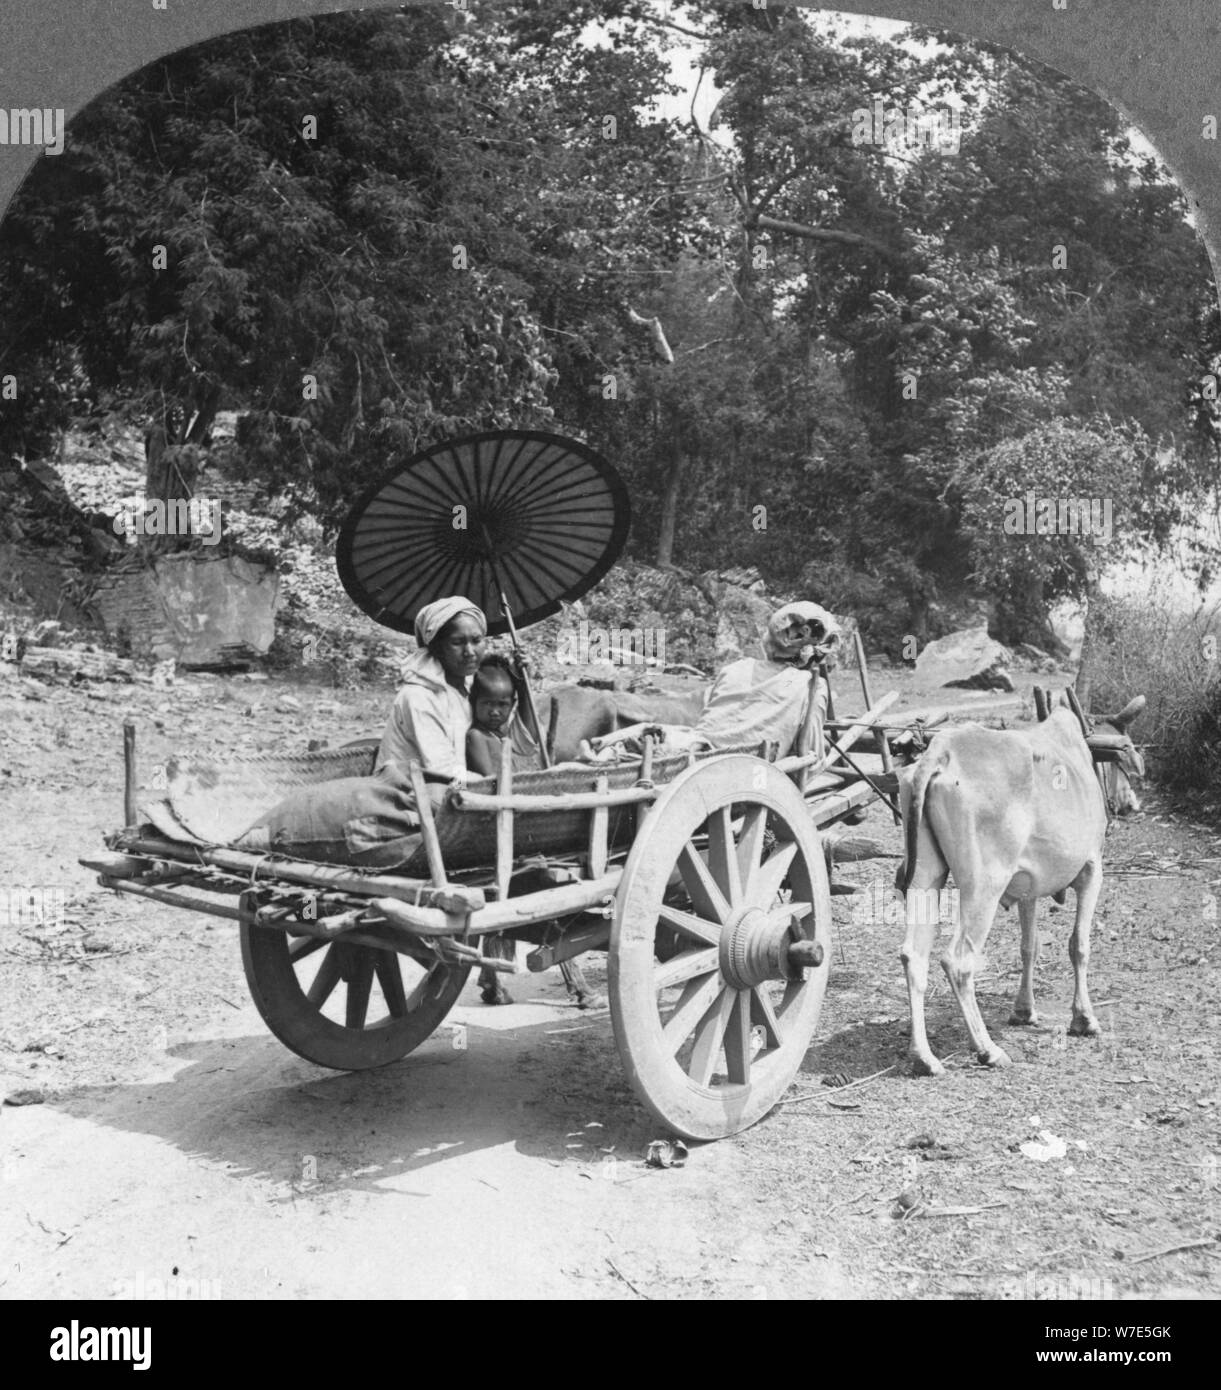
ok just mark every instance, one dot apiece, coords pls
pixel 1172 1250
pixel 839 1090
pixel 614 1268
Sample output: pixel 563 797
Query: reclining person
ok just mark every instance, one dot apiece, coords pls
pixel 752 699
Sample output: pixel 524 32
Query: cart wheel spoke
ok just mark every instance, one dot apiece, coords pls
pixel 702 888
pixel 686 967
pixel 390 977
pixel 325 980
pixel 784 912
pixel 354 1030
pixel 306 946
pixel 708 1036
pixel 692 1005
pixel 750 848
pixel 775 868
pixel 723 856
pixel 737 1039
pixel 689 925
pixel 359 987
pixel 763 1013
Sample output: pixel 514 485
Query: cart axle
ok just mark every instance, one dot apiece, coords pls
pixel 757 946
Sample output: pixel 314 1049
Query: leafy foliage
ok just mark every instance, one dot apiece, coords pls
pixel 863 345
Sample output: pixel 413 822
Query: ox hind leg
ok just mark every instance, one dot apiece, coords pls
pixel 491 982
pixel 977 911
pixel 1087 885
pixel 922 927
pixel 579 989
pixel 1023 1004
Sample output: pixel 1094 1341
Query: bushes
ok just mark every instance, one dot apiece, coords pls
pixel 1150 646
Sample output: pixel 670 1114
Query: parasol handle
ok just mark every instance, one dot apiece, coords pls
pixel 538 732
pixel 544 759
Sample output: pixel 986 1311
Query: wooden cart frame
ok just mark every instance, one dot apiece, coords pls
pixel 716 914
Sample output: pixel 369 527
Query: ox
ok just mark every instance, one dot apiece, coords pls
pixel 1014 816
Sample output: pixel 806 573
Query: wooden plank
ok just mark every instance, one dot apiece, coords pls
pixel 589 936
pixel 831 805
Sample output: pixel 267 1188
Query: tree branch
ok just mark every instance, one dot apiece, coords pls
pixel 799 229
pixel 660 346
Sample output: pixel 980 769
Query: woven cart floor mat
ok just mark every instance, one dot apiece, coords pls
pixel 217 801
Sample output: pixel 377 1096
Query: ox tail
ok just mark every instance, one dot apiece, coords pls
pixel 926 770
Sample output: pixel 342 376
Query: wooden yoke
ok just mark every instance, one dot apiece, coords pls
pixel 1099 772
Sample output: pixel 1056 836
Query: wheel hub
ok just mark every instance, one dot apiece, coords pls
pixel 754 950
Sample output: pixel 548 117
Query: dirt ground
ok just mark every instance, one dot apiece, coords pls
pixel 176 1149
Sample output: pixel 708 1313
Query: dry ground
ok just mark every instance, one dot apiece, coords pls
pixel 181 1149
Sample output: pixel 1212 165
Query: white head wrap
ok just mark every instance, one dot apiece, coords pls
pixel 433 617
pixel 798 626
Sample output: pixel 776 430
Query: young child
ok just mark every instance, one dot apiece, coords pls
pixel 493 696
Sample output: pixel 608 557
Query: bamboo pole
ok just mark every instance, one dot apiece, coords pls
pixel 879 734
pixel 551 902
pixel 806 735
pixel 129 774
pixel 453 898
pixel 464 800
pixel 645 780
pixel 428 826
pixel 504 821
pixel 862 725
pixel 599 824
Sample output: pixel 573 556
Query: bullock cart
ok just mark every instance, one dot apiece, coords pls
pixel 702 875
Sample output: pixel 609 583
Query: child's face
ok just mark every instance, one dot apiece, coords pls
pixel 493 701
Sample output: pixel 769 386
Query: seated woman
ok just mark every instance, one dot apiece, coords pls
pixel 752 699
pixel 431 715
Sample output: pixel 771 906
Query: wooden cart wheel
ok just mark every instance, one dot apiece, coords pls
pixel 345 1006
pixel 720 954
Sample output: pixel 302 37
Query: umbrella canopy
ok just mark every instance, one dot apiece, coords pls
pixel 537 516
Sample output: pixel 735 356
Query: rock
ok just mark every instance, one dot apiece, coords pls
pixel 969 659
pixel 26 1095
pixel 46 634
pixel 1035 657
pixel 70 662
pixel 288 704
pixel 202 610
